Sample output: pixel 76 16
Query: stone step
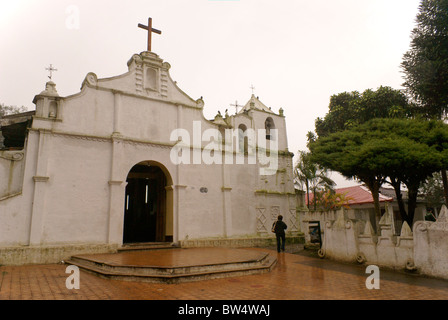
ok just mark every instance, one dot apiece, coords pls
pixel 147 246
pixel 173 266
pixel 91 261
pixel 150 274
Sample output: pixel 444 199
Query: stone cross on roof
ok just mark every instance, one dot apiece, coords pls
pixel 253 88
pixel 51 69
pixel 150 30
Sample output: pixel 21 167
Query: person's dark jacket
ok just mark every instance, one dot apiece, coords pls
pixel 280 227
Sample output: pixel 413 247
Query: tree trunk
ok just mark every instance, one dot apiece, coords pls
pixel 397 187
pixel 374 185
pixel 412 203
pixel 376 200
pixel 308 194
pixel 445 186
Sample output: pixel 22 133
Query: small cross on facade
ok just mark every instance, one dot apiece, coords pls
pixel 150 30
pixel 236 105
pixel 51 69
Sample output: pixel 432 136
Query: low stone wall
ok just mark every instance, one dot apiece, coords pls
pixel 239 242
pixel 49 254
pixel 431 246
pixel 386 249
pixel 423 249
pixel 339 240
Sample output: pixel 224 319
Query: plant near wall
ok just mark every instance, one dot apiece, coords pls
pixel 328 200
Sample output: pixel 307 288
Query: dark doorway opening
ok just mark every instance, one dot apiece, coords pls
pixel 145 205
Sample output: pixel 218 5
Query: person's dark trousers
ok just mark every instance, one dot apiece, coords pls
pixel 281 238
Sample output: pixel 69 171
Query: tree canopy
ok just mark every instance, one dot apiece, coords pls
pixel 425 65
pixel 5 110
pixel 349 109
pixel 400 151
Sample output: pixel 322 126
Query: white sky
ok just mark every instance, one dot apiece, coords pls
pixel 296 53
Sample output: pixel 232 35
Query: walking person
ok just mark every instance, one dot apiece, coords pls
pixel 279 228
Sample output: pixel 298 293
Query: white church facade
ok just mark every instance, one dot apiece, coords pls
pixel 132 159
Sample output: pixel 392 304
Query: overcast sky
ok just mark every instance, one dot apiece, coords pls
pixel 296 53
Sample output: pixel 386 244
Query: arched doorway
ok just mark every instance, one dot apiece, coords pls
pixel 147 214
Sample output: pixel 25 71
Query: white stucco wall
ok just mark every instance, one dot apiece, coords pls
pixel 76 163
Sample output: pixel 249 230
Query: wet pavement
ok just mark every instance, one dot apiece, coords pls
pixel 298 275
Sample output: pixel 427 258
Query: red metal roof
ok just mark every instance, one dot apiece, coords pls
pixel 357 195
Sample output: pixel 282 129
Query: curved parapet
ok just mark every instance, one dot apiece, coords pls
pixel 90 79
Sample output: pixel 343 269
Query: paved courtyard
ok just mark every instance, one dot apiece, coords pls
pixel 298 276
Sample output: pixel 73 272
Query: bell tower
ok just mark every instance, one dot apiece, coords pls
pixel 48 103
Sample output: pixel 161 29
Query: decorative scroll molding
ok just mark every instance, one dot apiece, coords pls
pixel 422 226
pixel 12 155
pixel 91 79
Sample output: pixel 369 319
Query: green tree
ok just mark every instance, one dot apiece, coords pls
pixel 340 114
pixel 398 151
pixel 339 152
pixel 331 200
pixel 425 65
pixel 349 109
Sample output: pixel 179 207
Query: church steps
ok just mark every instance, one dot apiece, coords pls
pixel 174 274
pixel 268 265
pixel 167 270
pixel 147 246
